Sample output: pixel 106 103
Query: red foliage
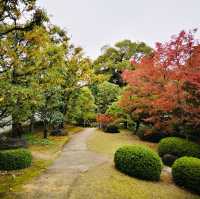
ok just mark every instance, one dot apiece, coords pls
pixel 165 86
pixel 104 119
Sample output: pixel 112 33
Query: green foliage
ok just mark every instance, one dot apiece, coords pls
pixel 138 161
pixel 186 172
pixel 120 115
pixel 81 106
pixel 35 140
pixel 178 147
pixel 57 119
pixel 15 159
pixel 112 129
pixel 107 93
pixel 115 59
pixel 12 16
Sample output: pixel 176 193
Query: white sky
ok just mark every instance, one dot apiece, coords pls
pixel 95 23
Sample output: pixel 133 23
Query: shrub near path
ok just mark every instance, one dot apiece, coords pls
pixel 105 182
pixel 82 173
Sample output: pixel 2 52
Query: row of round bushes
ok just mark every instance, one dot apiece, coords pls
pixel 172 148
pixel 141 162
pixel 183 156
pixel 15 159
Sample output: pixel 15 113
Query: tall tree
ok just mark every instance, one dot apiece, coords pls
pixel 107 93
pixel 23 55
pixel 164 88
pixel 115 59
pixel 14 14
pixel 82 108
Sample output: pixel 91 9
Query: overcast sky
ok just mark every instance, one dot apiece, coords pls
pixel 95 23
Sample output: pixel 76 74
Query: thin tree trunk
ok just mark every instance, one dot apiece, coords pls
pixel 45 130
pixel 137 126
pixel 32 122
pixel 17 129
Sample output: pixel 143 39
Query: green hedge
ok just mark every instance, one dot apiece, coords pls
pixel 138 161
pixel 186 173
pixel 15 159
pixel 178 147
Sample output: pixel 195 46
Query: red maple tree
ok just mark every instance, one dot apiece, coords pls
pixel 104 120
pixel 164 88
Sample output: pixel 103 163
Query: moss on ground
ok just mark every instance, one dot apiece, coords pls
pixel 12 181
pixel 106 182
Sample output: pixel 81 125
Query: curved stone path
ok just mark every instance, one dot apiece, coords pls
pixel 57 181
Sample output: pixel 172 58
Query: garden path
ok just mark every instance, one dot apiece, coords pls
pixel 57 181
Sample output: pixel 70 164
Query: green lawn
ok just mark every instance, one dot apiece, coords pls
pixel 105 182
pixel 108 143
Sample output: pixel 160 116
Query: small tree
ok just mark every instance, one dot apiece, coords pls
pixel 104 120
pixel 107 93
pixel 81 107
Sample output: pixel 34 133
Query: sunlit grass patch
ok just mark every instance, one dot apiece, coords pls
pixel 108 143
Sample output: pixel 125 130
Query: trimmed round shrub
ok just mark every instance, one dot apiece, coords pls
pixel 186 173
pixel 112 129
pixel 178 147
pixel 138 161
pixel 15 159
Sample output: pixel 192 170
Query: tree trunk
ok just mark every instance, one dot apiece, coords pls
pixel 137 126
pixel 126 125
pixel 32 121
pixel 17 129
pixel 45 130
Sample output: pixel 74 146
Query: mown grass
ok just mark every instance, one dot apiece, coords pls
pixel 105 182
pixel 44 152
pixel 108 143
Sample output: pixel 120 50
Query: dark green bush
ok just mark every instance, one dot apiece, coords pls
pixel 186 173
pixel 112 129
pixel 138 161
pixel 12 143
pixel 168 159
pixel 58 132
pixel 178 147
pixel 148 133
pixel 15 159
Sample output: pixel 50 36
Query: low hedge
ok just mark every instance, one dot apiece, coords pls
pixel 178 147
pixel 138 161
pixel 15 159
pixel 186 173
pixel 12 143
pixel 112 129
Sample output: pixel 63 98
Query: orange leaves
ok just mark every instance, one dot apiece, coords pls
pixel 104 118
pixel 165 80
